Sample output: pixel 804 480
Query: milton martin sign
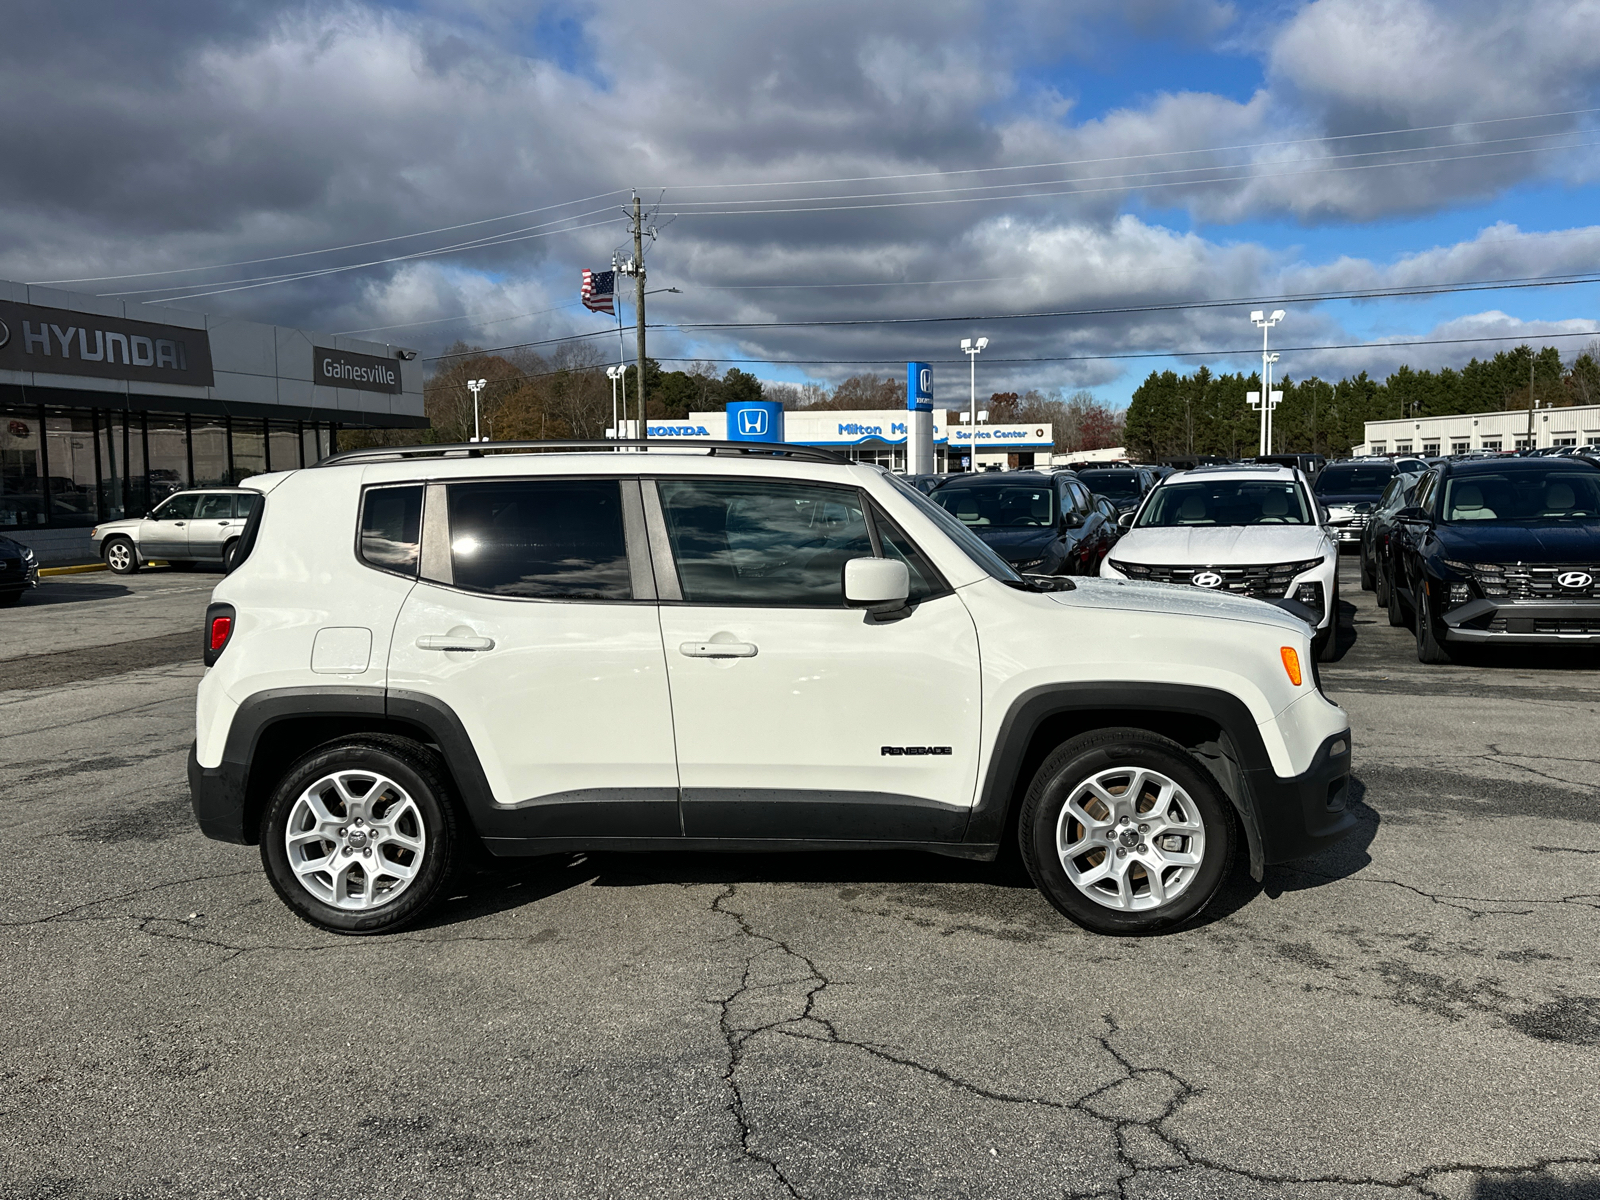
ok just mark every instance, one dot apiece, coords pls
pixel 61 341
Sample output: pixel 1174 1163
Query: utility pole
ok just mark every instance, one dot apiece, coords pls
pixel 638 313
pixel 1530 397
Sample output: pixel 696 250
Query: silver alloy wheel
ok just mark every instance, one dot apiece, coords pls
pixel 120 556
pixel 1131 839
pixel 355 840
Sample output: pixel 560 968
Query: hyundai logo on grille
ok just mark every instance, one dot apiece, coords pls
pixel 753 422
pixel 1207 579
pixel 1574 579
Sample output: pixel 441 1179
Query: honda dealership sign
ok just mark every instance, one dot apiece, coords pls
pixel 61 341
pixel 755 421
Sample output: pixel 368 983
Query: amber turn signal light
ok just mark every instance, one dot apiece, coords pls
pixel 1291 664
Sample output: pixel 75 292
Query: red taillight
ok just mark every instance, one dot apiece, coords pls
pixel 221 627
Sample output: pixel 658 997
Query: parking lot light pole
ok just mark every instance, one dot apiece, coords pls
pixel 1260 318
pixel 475 386
pixel 972 350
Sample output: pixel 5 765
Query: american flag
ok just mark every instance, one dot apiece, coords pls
pixel 599 290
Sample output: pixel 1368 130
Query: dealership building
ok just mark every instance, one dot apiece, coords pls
pixel 1513 430
pixel 107 406
pixel 869 435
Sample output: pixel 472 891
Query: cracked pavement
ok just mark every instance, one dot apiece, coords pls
pixel 1415 1013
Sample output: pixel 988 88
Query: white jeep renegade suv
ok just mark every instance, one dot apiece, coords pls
pixel 720 647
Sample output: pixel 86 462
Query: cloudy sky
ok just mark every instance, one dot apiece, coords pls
pixel 433 171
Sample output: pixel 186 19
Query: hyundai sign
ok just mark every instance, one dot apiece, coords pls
pixel 755 421
pixel 919 387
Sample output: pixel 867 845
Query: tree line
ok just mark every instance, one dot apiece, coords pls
pixel 1172 415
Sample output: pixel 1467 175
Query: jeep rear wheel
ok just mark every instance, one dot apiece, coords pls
pixel 1125 832
pixel 360 836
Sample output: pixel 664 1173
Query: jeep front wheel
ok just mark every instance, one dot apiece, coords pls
pixel 360 836
pixel 1125 832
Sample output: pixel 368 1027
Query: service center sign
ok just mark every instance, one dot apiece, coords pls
pixel 346 369
pixel 63 341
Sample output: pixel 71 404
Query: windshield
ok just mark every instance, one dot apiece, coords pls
pixel 971 545
pixel 1549 495
pixel 999 505
pixel 1119 485
pixel 1337 480
pixel 1226 502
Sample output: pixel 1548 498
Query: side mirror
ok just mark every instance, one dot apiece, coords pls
pixel 1125 521
pixel 149 516
pixel 878 584
pixel 1411 513
pixel 1323 514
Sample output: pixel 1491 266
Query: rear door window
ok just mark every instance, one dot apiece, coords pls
pixel 244 503
pixel 214 506
pixel 540 539
pixel 391 528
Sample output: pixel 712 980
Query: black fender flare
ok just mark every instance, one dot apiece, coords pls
pixel 1243 753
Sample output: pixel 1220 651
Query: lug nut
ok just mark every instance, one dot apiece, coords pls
pixel 1144 829
pixel 358 820
pixel 1141 847
pixel 349 850
pixel 1122 853
pixel 366 853
pixel 343 832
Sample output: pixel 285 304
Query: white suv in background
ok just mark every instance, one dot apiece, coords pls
pixel 1240 530
pixel 184 529
pixel 719 647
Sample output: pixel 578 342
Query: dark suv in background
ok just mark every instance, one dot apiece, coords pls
pixel 1349 490
pixel 1040 524
pixel 1502 550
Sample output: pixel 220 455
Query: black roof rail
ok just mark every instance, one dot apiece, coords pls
pixel 478 450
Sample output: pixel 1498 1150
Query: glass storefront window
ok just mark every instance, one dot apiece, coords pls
pixel 249 448
pixel 283 446
pixel 314 440
pixel 111 467
pixel 138 500
pixel 169 457
pixel 21 495
pixel 210 441
pixel 70 445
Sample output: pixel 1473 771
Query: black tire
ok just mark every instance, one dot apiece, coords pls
pixel 120 555
pixel 415 769
pixel 1380 584
pixel 1396 606
pixel 230 555
pixel 1431 647
pixel 1367 580
pixel 1105 750
pixel 1326 643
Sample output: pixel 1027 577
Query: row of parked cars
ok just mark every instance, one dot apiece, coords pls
pixel 1472 550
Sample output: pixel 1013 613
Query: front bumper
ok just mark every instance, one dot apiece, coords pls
pixel 217 795
pixel 1524 621
pixel 1301 816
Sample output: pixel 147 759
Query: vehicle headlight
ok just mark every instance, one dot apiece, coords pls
pixel 27 554
pixel 1132 570
pixel 95 532
pixel 1467 569
pixel 1340 512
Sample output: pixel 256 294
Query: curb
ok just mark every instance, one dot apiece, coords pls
pixel 77 570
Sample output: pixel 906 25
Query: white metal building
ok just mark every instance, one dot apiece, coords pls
pixel 1484 431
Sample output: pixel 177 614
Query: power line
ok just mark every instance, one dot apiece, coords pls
pixel 991 187
pixel 1248 177
pixel 269 282
pixel 247 262
pixel 1134 157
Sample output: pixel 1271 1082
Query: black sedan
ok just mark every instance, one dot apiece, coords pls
pixel 1125 487
pixel 1040 524
pixel 1500 551
pixel 19 570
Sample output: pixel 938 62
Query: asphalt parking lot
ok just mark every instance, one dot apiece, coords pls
pixel 1414 1013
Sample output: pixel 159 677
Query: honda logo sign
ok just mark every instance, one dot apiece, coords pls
pixel 753 422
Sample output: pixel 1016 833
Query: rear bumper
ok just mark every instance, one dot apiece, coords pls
pixel 1487 622
pixel 217 795
pixel 1301 816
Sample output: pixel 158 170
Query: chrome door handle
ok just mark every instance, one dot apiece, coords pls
pixel 718 649
pixel 448 641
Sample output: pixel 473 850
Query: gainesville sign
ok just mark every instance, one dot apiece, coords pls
pixel 347 369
